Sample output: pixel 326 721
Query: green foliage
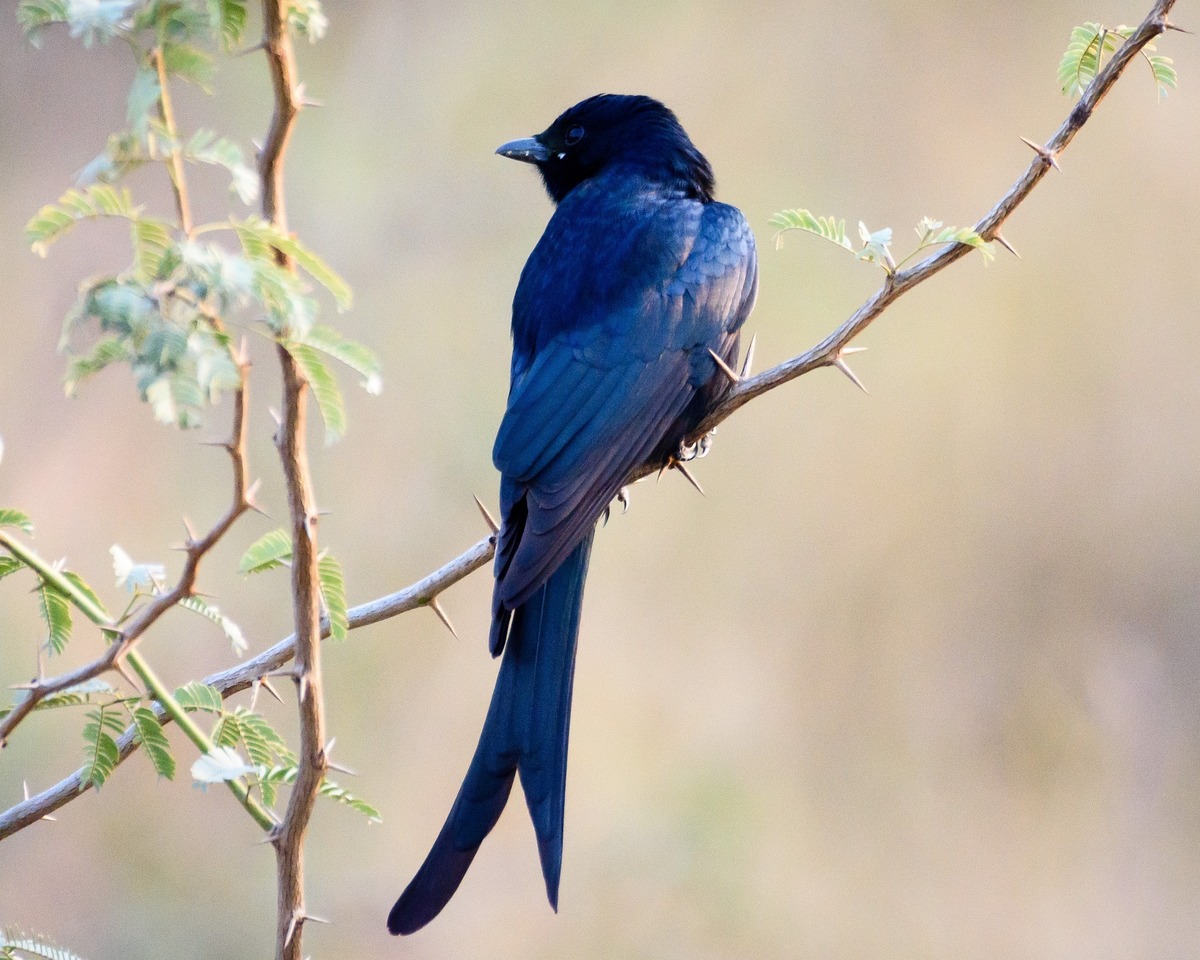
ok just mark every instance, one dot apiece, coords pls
pixel 287 774
pixel 188 63
pixel 827 228
pixel 78 695
pixel 354 355
pixel 99 748
pixel 55 219
pixel 9 565
pixel 33 16
pixel 269 551
pixel 15 518
pixel 333 591
pixel 1090 43
pixel 206 147
pixel 233 633
pixel 229 19
pixel 16 944
pixel 325 390
pixel 150 735
pixel 195 696
pixel 876 245
pixel 55 612
pixel 261 239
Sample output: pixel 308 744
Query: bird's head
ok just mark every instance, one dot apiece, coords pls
pixel 610 130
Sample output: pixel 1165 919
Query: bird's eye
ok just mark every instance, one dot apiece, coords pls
pixel 574 135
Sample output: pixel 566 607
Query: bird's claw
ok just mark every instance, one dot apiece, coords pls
pixel 692 451
pixel 623 498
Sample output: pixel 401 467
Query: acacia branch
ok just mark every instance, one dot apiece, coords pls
pixel 125 635
pixel 247 674
pixel 291 440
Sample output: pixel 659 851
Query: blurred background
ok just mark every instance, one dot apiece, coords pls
pixel 918 678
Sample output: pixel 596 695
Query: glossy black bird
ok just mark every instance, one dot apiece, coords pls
pixel 639 274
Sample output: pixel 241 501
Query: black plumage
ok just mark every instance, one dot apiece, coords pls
pixel 638 275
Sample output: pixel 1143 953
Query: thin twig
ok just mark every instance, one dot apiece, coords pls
pixel 126 634
pixel 167 114
pixel 291 439
pixel 244 675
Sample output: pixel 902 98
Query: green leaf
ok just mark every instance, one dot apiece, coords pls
pixel 233 632
pixel 333 591
pixel 99 748
pixel 271 550
pixel 827 228
pixel 199 696
pixel 188 63
pixel 81 585
pixel 263 744
pixel 78 695
pixel 1165 77
pixel 53 220
pixel 963 235
pixel 325 390
pixel 55 611
pixel 144 94
pixel 13 940
pixel 34 15
pixel 206 147
pixel 354 355
pixel 107 350
pixel 9 565
pixel 150 735
pixel 228 17
pixel 151 241
pixel 15 518
pixel 259 239
pixel 287 774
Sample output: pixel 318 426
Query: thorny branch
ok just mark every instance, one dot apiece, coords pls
pixel 291 440
pixel 826 353
pixel 125 635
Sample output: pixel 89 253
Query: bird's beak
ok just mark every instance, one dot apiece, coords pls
pixel 529 150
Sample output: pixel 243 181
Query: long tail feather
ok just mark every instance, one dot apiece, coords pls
pixel 526 730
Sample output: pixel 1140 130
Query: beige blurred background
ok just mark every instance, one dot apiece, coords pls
pixel 918 678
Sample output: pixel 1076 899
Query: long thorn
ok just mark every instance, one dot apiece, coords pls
pixel 436 607
pixel 723 366
pixel 844 367
pixel 266 685
pixel 748 362
pixel 487 517
pixel 1049 156
pixel 999 238
pixel 688 475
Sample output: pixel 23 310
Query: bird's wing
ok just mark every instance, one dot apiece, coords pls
pixel 596 398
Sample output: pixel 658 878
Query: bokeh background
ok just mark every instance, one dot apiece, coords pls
pixel 918 678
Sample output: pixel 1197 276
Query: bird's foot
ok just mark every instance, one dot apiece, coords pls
pixel 623 498
pixel 691 451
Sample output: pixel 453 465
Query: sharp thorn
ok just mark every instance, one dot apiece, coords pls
pixel 1168 25
pixel 690 479
pixel 25 788
pixel 340 769
pixel 844 367
pixel 261 45
pixel 748 362
pixel 191 533
pixel 254 685
pixel 723 366
pixel 846 350
pixel 1000 239
pixel 266 685
pixel 120 667
pixel 487 517
pixel 1047 155
pixel 309 918
pixel 297 917
pixel 436 607
pixel 31 685
pixel 275 416
pixel 302 685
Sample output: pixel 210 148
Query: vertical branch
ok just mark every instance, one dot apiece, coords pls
pixel 293 452
pixel 167 114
